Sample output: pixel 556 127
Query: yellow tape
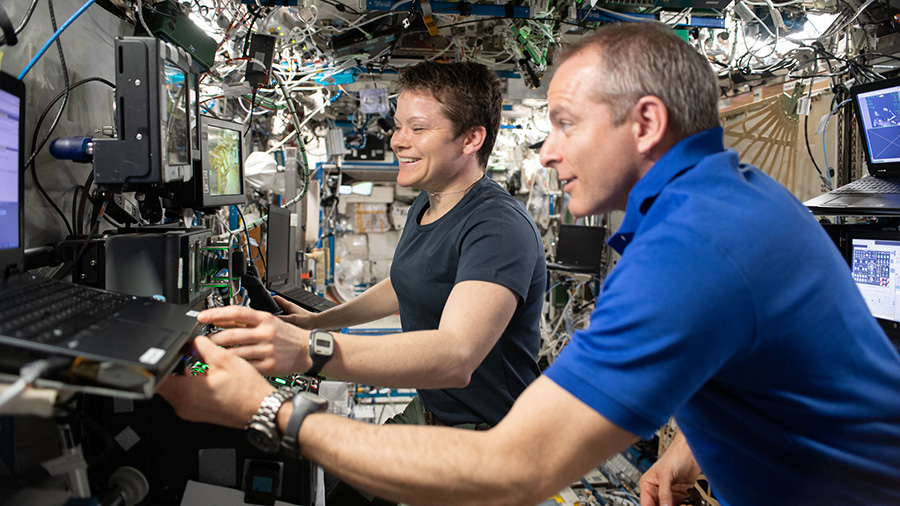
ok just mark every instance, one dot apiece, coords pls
pixel 432 26
pixel 427 17
pixel 1 60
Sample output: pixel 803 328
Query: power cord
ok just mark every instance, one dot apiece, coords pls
pixel 65 70
pixel 37 129
pixel 28 374
pixel 52 38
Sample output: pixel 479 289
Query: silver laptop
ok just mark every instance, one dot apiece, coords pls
pixel 877 109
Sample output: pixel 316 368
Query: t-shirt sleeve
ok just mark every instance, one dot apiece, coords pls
pixel 670 316
pixel 499 245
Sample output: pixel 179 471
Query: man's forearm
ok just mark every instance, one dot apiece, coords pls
pixel 416 465
pixel 521 461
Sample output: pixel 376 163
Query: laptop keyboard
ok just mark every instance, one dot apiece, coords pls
pixel 870 185
pixel 49 312
pixel 308 300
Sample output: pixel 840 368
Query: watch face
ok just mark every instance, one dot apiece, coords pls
pixel 262 439
pixel 322 343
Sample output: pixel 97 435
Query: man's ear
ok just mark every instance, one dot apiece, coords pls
pixel 474 139
pixel 651 124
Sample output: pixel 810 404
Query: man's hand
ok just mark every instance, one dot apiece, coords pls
pixel 295 315
pixel 667 482
pixel 274 347
pixel 228 394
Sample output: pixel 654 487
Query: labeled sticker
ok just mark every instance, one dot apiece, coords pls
pixel 152 356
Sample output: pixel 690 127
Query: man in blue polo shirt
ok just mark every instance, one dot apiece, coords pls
pixel 730 310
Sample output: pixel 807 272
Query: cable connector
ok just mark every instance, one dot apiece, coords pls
pixel 28 374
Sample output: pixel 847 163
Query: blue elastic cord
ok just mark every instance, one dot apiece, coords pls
pixel 53 38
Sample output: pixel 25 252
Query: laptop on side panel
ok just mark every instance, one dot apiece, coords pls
pixel 877 109
pixel 579 249
pixel 118 345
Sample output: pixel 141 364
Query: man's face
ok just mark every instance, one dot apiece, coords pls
pixel 596 160
pixel 428 151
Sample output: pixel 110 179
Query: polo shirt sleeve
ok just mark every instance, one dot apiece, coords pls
pixel 499 244
pixel 673 312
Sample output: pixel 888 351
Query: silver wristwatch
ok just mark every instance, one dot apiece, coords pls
pixel 262 431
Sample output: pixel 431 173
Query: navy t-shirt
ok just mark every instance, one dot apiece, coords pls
pixel 487 236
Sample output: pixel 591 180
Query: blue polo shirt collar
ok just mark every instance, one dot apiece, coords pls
pixel 683 156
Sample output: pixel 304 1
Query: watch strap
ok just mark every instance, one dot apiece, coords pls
pixel 318 361
pixel 305 403
pixel 268 410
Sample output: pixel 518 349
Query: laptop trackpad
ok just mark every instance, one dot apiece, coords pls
pixel 842 201
pixel 133 342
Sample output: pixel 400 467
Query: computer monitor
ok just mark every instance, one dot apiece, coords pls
pixel 12 135
pixel 221 175
pixel 278 241
pixel 877 107
pixel 579 248
pixel 875 265
pixel 154 116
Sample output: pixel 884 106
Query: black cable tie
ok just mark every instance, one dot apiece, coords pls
pixel 510 11
pixel 465 8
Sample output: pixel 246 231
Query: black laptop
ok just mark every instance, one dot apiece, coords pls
pixel 579 249
pixel 112 344
pixel 278 258
pixel 877 109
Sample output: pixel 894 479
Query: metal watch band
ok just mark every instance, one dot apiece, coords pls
pixel 269 407
pixel 305 403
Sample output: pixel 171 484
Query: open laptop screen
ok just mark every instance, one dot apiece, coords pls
pixel 877 107
pixel 278 254
pixel 12 95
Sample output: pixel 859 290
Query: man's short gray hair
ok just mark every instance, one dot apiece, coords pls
pixel 641 59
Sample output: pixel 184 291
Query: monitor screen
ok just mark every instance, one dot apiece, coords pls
pixel 877 107
pixel 874 263
pixel 219 174
pixel 9 169
pixel 178 128
pixel 278 253
pixel 580 246
pixel 224 152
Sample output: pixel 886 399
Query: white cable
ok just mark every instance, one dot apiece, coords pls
pixel 28 374
pixel 140 9
pixel 297 128
pixel 829 33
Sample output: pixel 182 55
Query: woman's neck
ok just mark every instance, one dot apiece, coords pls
pixel 441 202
